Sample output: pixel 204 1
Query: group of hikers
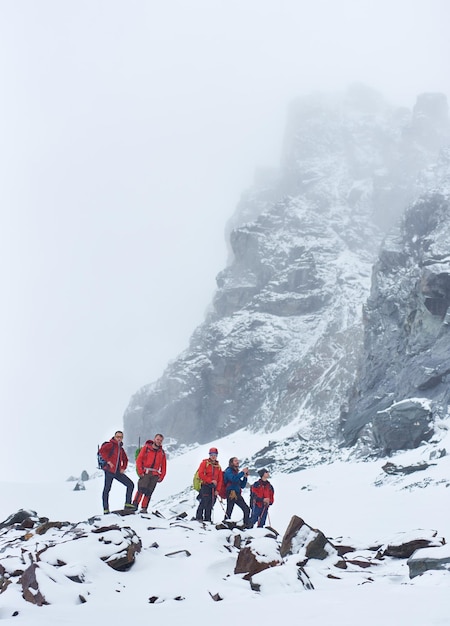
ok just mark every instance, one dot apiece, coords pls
pixel 228 485
pixel 214 483
pixel 150 466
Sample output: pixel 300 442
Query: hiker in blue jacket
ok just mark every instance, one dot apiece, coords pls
pixel 235 481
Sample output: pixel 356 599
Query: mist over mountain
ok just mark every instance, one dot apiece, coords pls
pixel 296 335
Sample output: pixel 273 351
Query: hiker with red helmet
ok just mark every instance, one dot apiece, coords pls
pixel 151 467
pixel 262 496
pixel 211 477
pixel 235 481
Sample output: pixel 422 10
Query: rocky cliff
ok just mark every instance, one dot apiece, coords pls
pixel 402 385
pixel 281 343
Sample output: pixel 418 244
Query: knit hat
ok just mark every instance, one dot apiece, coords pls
pixel 262 472
pixel 213 451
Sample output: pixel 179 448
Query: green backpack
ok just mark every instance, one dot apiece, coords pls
pixel 136 454
pixel 196 482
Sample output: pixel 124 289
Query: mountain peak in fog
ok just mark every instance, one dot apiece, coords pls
pixel 283 338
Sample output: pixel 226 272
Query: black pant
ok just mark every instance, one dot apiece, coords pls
pixel 239 500
pixel 207 499
pixel 122 478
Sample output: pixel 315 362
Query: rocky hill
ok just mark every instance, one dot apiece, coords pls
pixel 283 342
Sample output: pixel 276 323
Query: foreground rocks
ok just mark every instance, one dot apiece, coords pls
pixel 39 554
pixel 49 562
pixel 302 544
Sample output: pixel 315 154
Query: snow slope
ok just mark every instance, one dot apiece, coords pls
pixel 355 502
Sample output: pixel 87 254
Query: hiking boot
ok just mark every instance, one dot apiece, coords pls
pixel 105 511
pixel 144 510
pixel 130 507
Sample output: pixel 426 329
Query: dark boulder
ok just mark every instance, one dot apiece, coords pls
pixel 310 542
pixel 250 562
pixel 19 518
pixel 30 587
pixel 405 544
pixel 429 559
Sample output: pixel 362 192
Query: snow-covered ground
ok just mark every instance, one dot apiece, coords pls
pixel 356 501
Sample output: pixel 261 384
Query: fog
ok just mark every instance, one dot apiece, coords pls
pixel 128 132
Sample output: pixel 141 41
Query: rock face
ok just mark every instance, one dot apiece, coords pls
pixel 281 342
pixel 403 382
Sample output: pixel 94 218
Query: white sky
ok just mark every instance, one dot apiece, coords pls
pixel 128 131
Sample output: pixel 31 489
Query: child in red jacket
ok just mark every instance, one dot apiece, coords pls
pixel 262 496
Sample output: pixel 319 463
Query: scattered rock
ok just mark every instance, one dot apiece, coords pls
pixel 342 549
pixel 358 563
pixel 304 579
pixel 30 587
pixel 41 530
pixel 405 544
pixel 216 596
pixel 18 518
pixel 302 538
pixel 123 555
pixel 4 582
pixel 392 469
pixel 249 564
pixel 179 553
pixel 429 559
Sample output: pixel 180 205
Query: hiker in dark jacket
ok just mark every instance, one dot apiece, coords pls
pixel 151 467
pixel 211 476
pixel 116 462
pixel 262 496
pixel 235 481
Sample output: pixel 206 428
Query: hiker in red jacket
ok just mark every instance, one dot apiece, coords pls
pixel 210 474
pixel 151 468
pixel 116 462
pixel 262 496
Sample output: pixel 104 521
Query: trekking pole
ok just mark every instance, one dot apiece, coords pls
pixel 213 497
